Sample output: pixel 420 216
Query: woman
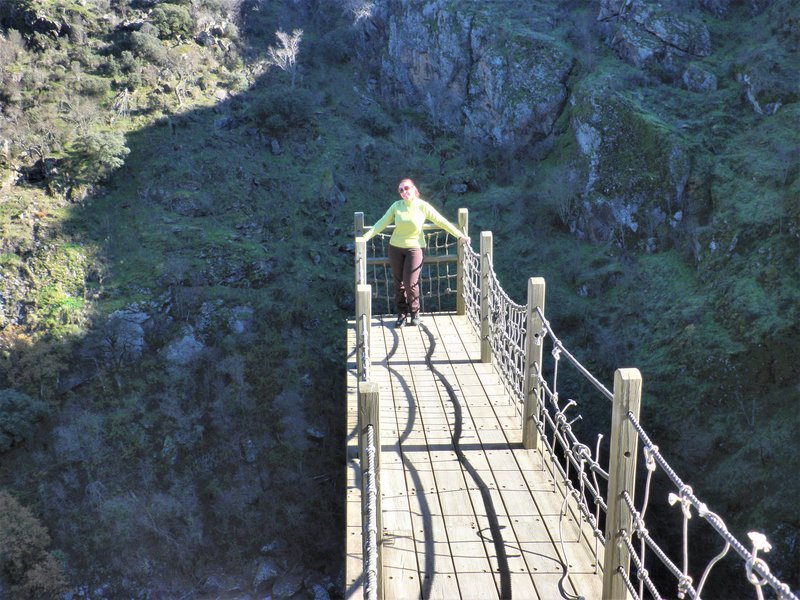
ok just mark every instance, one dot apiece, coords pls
pixel 406 244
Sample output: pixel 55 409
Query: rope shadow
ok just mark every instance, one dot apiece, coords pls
pixel 488 503
pixel 425 511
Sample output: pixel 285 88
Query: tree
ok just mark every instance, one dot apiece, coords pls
pixel 18 415
pixel 94 156
pixel 172 21
pixel 285 57
pixel 25 564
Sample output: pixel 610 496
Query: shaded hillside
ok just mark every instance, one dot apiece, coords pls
pixel 176 255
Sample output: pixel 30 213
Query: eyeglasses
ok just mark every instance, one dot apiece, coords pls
pixel 404 188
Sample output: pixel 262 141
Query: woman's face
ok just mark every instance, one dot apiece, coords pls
pixel 407 190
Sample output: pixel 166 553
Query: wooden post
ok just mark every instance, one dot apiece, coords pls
pixel 533 364
pixel 359 224
pixel 621 478
pixel 486 255
pixel 363 307
pixel 369 414
pixel 463 225
pixel 361 260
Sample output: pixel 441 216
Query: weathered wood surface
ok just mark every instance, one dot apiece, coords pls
pixel 437 523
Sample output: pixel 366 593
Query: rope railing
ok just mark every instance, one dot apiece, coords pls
pixel 501 326
pixel 507 337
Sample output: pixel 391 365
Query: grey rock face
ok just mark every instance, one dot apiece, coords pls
pixel 124 335
pixel 652 37
pixel 516 88
pixel 625 204
pixel 501 90
pixel 184 350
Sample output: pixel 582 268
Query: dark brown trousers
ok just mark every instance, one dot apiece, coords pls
pixel 406 268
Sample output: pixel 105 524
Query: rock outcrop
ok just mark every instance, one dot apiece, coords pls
pixel 501 89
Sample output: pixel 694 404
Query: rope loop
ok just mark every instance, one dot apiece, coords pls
pixel 649 457
pixel 753 577
pixel 643 574
pixel 556 353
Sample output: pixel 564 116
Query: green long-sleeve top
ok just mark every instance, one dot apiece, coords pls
pixel 408 219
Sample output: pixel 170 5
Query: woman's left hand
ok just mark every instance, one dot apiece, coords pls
pixel 464 240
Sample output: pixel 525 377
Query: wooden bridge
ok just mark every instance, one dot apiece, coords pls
pixel 464 476
pixel 436 529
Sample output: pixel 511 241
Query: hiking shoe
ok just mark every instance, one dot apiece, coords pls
pixel 400 320
pixel 415 320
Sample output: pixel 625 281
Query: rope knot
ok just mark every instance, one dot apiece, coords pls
pixel 684 585
pixel 643 574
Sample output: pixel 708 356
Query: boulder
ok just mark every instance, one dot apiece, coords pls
pixel 698 79
pixel 185 349
pixel 123 338
pixel 266 574
pixel 287 585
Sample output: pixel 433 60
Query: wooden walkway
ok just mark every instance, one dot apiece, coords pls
pixel 466 511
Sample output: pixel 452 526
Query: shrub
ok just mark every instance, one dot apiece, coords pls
pixel 94 156
pixel 337 46
pixel 25 564
pixel 283 108
pixel 375 120
pixel 172 21
pixel 148 47
pixel 18 415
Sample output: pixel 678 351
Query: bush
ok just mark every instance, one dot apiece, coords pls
pixel 27 567
pixel 337 46
pixel 93 157
pixel 148 47
pixel 172 21
pixel 375 120
pixel 282 109
pixel 18 415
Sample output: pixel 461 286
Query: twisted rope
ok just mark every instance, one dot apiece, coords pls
pixel 370 534
pixel 362 342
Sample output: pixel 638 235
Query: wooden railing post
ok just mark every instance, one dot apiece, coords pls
pixel 533 364
pixel 361 260
pixel 369 414
pixel 359 224
pixel 463 225
pixel 363 310
pixel 621 478
pixel 486 257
